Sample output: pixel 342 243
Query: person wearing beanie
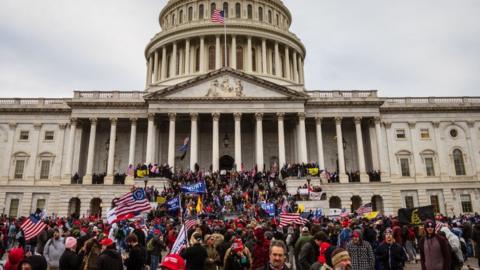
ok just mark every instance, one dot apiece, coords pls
pixel 341 259
pixel 69 259
pixel 360 252
pixel 311 251
pixel 389 254
pixel 15 256
pixel 434 249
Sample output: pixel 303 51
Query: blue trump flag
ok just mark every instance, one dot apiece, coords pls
pixel 173 204
pixel 269 208
pixel 199 187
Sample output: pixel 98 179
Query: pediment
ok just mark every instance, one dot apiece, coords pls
pixel 226 84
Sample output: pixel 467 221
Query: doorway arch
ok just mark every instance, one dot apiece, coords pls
pixel 96 207
pixel 226 163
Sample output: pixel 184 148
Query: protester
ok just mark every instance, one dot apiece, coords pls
pixel 277 256
pixel 110 258
pixel 36 262
pixel 53 250
pixel 434 249
pixel 173 262
pixel 237 257
pixel 137 257
pixel 154 249
pixel 310 252
pixel 69 259
pixel 195 254
pixel 213 258
pixel 361 253
pixel 341 260
pixel 15 256
pixel 390 255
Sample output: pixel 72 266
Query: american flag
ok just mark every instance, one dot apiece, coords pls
pixel 181 241
pixel 218 16
pixel 132 202
pixel 364 209
pixel 32 226
pixel 291 218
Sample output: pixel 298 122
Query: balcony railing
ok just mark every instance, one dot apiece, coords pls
pixel 430 100
pixel 361 94
pixel 110 95
pixel 33 101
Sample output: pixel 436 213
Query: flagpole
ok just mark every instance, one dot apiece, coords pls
pixel 225 32
pixel 182 220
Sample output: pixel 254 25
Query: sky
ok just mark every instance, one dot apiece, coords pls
pixel 50 48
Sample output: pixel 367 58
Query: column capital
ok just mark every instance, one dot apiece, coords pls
pixel 259 116
pixel 387 124
pixel 62 125
pixel 280 116
pixel 237 116
pixel 470 123
pixel 37 125
pixel 172 116
pixel 412 124
pixel 301 116
pixel 357 119
pixel 318 119
pixel 377 120
pixel 151 116
pixel 73 120
pixel 338 120
pixel 12 125
pixel 194 116
pixel 133 120
pixel 93 120
pixel 113 120
pixel 216 116
pixel 436 124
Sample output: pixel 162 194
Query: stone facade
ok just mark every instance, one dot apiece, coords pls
pixel 254 112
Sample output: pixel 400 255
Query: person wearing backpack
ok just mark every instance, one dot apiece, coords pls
pixel 154 249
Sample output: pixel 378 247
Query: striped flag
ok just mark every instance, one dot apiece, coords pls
pixel 32 226
pixel 134 202
pixel 291 218
pixel 218 16
pixel 181 241
pixel 364 209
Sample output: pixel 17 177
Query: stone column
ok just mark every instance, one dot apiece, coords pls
pixel 215 149
pixel 264 56
pixel 218 53
pixel 150 139
pixel 249 54
pixel 277 61
pixel 202 54
pixel 193 140
pixel 318 127
pixel 187 57
pixel 381 155
pixel 361 154
pixel 238 141
pixel 155 67
pixel 287 63
pixel 259 141
pixel 149 71
pixel 295 67
pixel 442 157
pixel 472 141
pixel 71 140
pixel 164 63
pixel 173 70
pixel 301 78
pixel 281 140
pixel 87 180
pixel 341 159
pixel 111 151
pixel 303 138
pixel 418 168
pixel 233 63
pixel 133 139
pixel 171 140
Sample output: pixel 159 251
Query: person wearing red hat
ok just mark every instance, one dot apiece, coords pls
pixel 173 262
pixel 109 259
pixel 154 248
pixel 237 257
pixel 361 252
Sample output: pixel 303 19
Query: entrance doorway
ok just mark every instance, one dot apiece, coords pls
pixel 226 163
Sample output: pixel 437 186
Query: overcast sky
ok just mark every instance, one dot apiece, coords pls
pixel 49 48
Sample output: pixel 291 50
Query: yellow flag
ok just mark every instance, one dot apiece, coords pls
pixel 161 200
pixel 371 215
pixel 301 208
pixel 313 171
pixel 199 205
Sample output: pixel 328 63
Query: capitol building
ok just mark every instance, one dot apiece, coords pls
pixel 240 103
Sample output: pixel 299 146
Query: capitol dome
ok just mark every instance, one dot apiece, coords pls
pixel 258 39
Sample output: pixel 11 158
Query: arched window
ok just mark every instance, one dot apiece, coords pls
pixel 180 16
pixel 238 10
pixel 201 12
pixel 458 162
pixel 225 10
pixel 239 58
pixel 173 19
pixel 249 11
pixel 212 8
pixel 254 60
pixel 211 57
pixel 190 14
pixel 278 20
pixel 335 202
pixel 260 14
pixel 269 16
pixel 197 59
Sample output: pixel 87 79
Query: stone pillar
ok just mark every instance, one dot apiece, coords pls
pixel 277 61
pixel 341 159
pixel 87 180
pixel 181 62
pixel 442 157
pixel 287 63
pixel 71 140
pixel 149 71
pixel 418 168
pixel 164 63
pixel 249 54
pixel 295 67
pixel 150 138
pixel 233 63
pixel 472 141
pixel 259 141
pixel 202 54
pixel 171 140
pixel 381 155
pixel 193 141
pixel 187 57
pixel 133 139
pixel 361 154
pixel 281 140
pixel 238 141
pixel 302 138
pixel 300 67
pixel 215 149
pixel 318 127
pixel 111 151
pixel 218 53
pixel 264 56
pixel 155 67
pixel 31 167
pixel 173 70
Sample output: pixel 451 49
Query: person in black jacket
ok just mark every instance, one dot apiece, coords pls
pixel 137 257
pixel 310 251
pixel 69 259
pixel 109 259
pixel 195 254
pixel 390 255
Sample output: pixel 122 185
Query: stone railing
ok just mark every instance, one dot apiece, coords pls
pixel 108 95
pixel 430 100
pixel 33 101
pixel 353 94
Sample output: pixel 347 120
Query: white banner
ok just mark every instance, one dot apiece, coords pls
pixel 303 191
pixel 334 212
pixel 316 196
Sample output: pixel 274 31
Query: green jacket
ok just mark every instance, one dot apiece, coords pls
pixel 302 240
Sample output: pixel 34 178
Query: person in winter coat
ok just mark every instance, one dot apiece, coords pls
pixel 237 257
pixel 360 252
pixel 195 254
pixel 90 252
pixel 476 241
pixel 15 256
pixel 137 257
pixel 304 238
pixel 456 248
pixel 53 250
pixel 260 249
pixel 277 256
pixel 434 249
pixel 213 258
pixel 37 262
pixel 69 259
pixel 310 251
pixel 109 259
pixel 154 248
pixel 390 255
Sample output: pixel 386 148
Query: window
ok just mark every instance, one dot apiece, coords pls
pixel 44 169
pixel 225 10
pixel 466 203
pixel 19 167
pixel 201 12
pixel 429 166
pixel 278 19
pixel 453 133
pixel 435 203
pixel 13 211
pixel 269 16
pixel 173 19
pixel 211 58
pixel 254 60
pixel 409 202
pixel 238 10
pixel 49 135
pixel 405 166
pixel 239 58
pixel 180 16
pixel 41 204
pixel 249 11
pixel 190 14
pixel 401 134
pixel 458 162
pixel 260 14
pixel 197 59
pixel 424 133
pixel 24 135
